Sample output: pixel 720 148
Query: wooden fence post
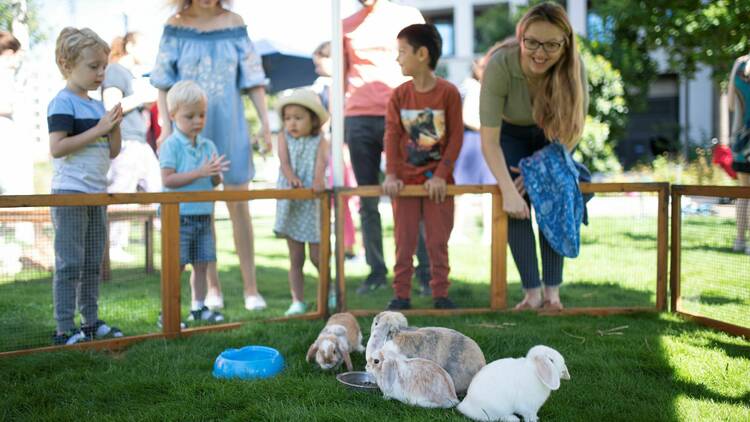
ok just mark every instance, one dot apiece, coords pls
pixel 170 269
pixel 498 270
pixel 662 233
pixel 324 266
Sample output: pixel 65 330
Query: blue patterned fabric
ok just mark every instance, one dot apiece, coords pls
pixel 741 144
pixel 551 179
pixel 224 63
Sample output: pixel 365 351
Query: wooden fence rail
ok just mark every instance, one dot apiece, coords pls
pixel 170 271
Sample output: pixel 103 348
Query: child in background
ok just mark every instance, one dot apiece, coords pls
pixel 83 138
pixel 423 136
pixel 322 87
pixel 302 156
pixel 189 162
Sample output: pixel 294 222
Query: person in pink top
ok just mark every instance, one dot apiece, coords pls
pixel 371 74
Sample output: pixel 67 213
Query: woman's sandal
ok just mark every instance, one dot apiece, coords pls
pixel 549 306
pixel 526 306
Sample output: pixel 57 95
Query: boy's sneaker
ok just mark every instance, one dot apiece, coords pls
pixel 160 325
pixel 370 284
pixel 72 336
pixel 215 302
pixel 255 303
pixel 100 330
pixel 296 308
pixel 444 303
pixel 207 315
pixel 397 304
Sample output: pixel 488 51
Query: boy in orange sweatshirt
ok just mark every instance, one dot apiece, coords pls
pixel 423 136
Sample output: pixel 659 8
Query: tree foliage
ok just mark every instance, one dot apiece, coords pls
pixel 493 25
pixel 606 115
pixel 10 10
pixel 689 32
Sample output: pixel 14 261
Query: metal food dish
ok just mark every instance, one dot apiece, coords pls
pixel 358 380
pixel 250 362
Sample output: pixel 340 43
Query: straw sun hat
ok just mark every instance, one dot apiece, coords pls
pixel 306 98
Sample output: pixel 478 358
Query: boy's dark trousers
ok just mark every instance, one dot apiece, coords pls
pixel 438 223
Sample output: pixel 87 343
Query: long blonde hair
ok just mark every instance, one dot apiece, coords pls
pixel 558 105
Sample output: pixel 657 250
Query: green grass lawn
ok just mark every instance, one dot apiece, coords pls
pixel 658 368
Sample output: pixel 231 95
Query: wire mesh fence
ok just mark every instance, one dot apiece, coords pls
pixel 61 271
pixel 621 265
pixel 617 264
pixel 712 267
pixel 96 267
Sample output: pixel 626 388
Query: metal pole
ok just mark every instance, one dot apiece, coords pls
pixel 337 95
pixel 337 135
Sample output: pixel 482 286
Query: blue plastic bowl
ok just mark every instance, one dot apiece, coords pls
pixel 250 362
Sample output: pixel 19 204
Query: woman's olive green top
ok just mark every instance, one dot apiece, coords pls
pixel 505 92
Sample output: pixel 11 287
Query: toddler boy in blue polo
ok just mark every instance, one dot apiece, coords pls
pixel 196 234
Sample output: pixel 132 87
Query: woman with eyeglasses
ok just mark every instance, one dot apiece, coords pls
pixel 534 92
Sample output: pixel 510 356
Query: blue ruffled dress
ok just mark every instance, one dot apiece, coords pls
pixel 225 64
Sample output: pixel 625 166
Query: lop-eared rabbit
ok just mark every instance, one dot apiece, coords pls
pixel 458 354
pixel 339 337
pixel 509 387
pixel 416 381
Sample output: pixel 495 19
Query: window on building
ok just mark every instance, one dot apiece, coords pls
pixel 443 21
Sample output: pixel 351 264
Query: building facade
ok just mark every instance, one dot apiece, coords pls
pixel 679 109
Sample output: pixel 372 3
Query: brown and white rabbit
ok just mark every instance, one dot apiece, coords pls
pixel 384 326
pixel 339 337
pixel 458 354
pixel 509 387
pixel 419 382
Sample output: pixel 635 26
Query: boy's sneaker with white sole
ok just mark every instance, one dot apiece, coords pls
pixel 206 315
pixel 72 336
pixel 100 330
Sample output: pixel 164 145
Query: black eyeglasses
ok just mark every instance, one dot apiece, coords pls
pixel 549 46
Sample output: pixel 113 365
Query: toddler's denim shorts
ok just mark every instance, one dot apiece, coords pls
pixel 197 242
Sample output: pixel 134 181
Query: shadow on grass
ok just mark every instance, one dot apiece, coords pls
pixel 642 237
pixel 477 295
pixel 713 299
pixel 711 248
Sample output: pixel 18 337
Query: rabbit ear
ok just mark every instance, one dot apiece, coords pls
pixel 546 372
pixel 389 372
pixel 347 359
pixel 312 351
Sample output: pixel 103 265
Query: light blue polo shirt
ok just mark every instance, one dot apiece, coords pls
pixel 178 152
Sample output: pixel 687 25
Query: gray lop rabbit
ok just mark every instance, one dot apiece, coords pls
pixel 458 354
pixel 509 387
pixel 418 382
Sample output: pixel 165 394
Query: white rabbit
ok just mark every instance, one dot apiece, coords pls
pixel 507 387
pixel 417 381
pixel 458 354
pixel 339 337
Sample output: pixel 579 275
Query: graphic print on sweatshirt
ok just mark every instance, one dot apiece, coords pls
pixel 426 129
